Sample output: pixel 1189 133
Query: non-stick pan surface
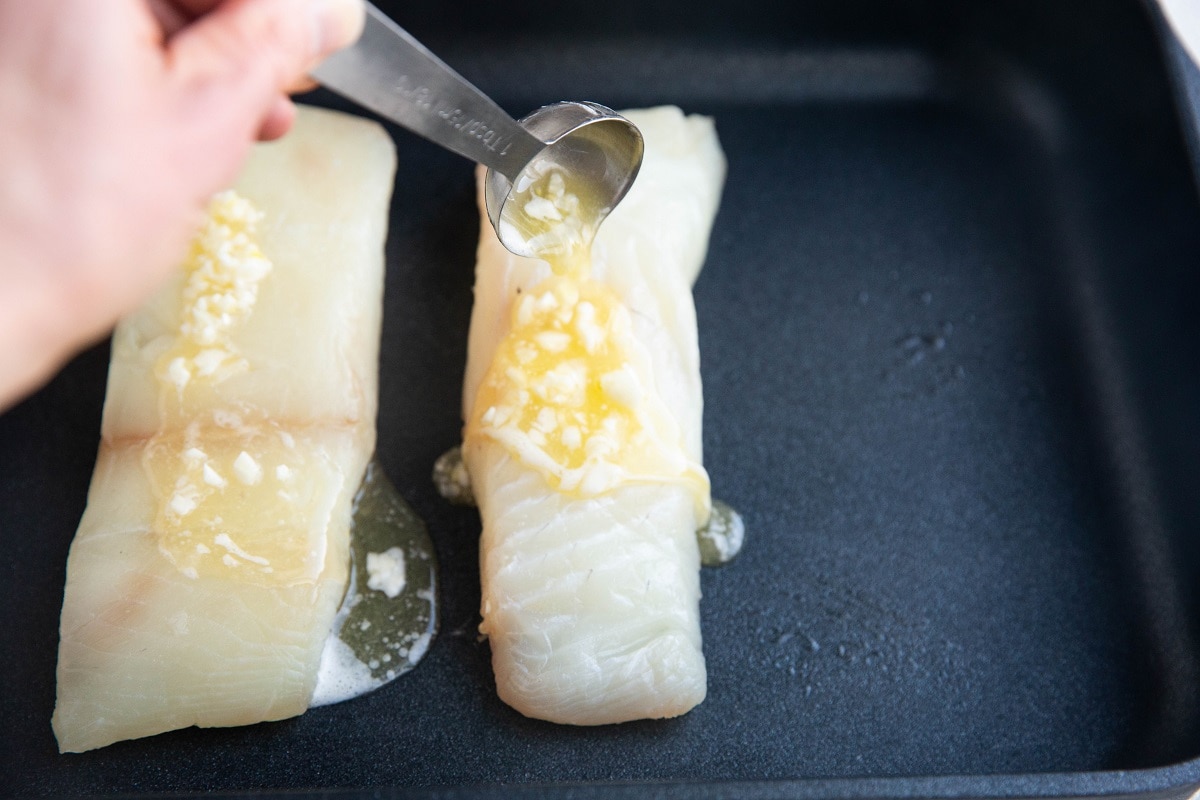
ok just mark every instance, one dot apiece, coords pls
pixel 950 331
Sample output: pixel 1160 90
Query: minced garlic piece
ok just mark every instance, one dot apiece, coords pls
pixel 247 469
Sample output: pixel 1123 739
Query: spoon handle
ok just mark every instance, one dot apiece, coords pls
pixel 391 73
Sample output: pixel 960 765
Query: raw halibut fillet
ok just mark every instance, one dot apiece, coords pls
pixel 591 604
pixel 155 634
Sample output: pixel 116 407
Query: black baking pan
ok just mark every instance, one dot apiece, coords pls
pixel 950 339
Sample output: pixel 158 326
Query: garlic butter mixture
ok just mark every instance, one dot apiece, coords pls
pixel 570 391
pixel 224 268
pixel 240 497
pixel 236 495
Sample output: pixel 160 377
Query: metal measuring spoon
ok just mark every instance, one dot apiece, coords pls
pixel 391 73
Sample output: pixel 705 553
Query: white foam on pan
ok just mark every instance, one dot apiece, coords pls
pixel 341 675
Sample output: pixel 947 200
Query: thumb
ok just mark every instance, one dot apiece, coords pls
pixel 251 51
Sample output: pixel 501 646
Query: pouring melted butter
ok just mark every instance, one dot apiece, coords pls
pixel 570 391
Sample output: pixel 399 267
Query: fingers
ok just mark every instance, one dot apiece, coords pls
pixel 259 48
pixel 193 8
pixel 278 120
pixel 231 67
pixel 171 18
pixel 174 15
pixel 302 85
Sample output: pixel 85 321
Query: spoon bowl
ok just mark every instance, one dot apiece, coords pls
pixel 596 147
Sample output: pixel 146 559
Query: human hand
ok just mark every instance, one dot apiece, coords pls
pixel 118 120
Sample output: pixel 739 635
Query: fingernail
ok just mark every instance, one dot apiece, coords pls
pixel 336 24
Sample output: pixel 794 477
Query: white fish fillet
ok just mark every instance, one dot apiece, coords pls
pixel 591 604
pixel 145 648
